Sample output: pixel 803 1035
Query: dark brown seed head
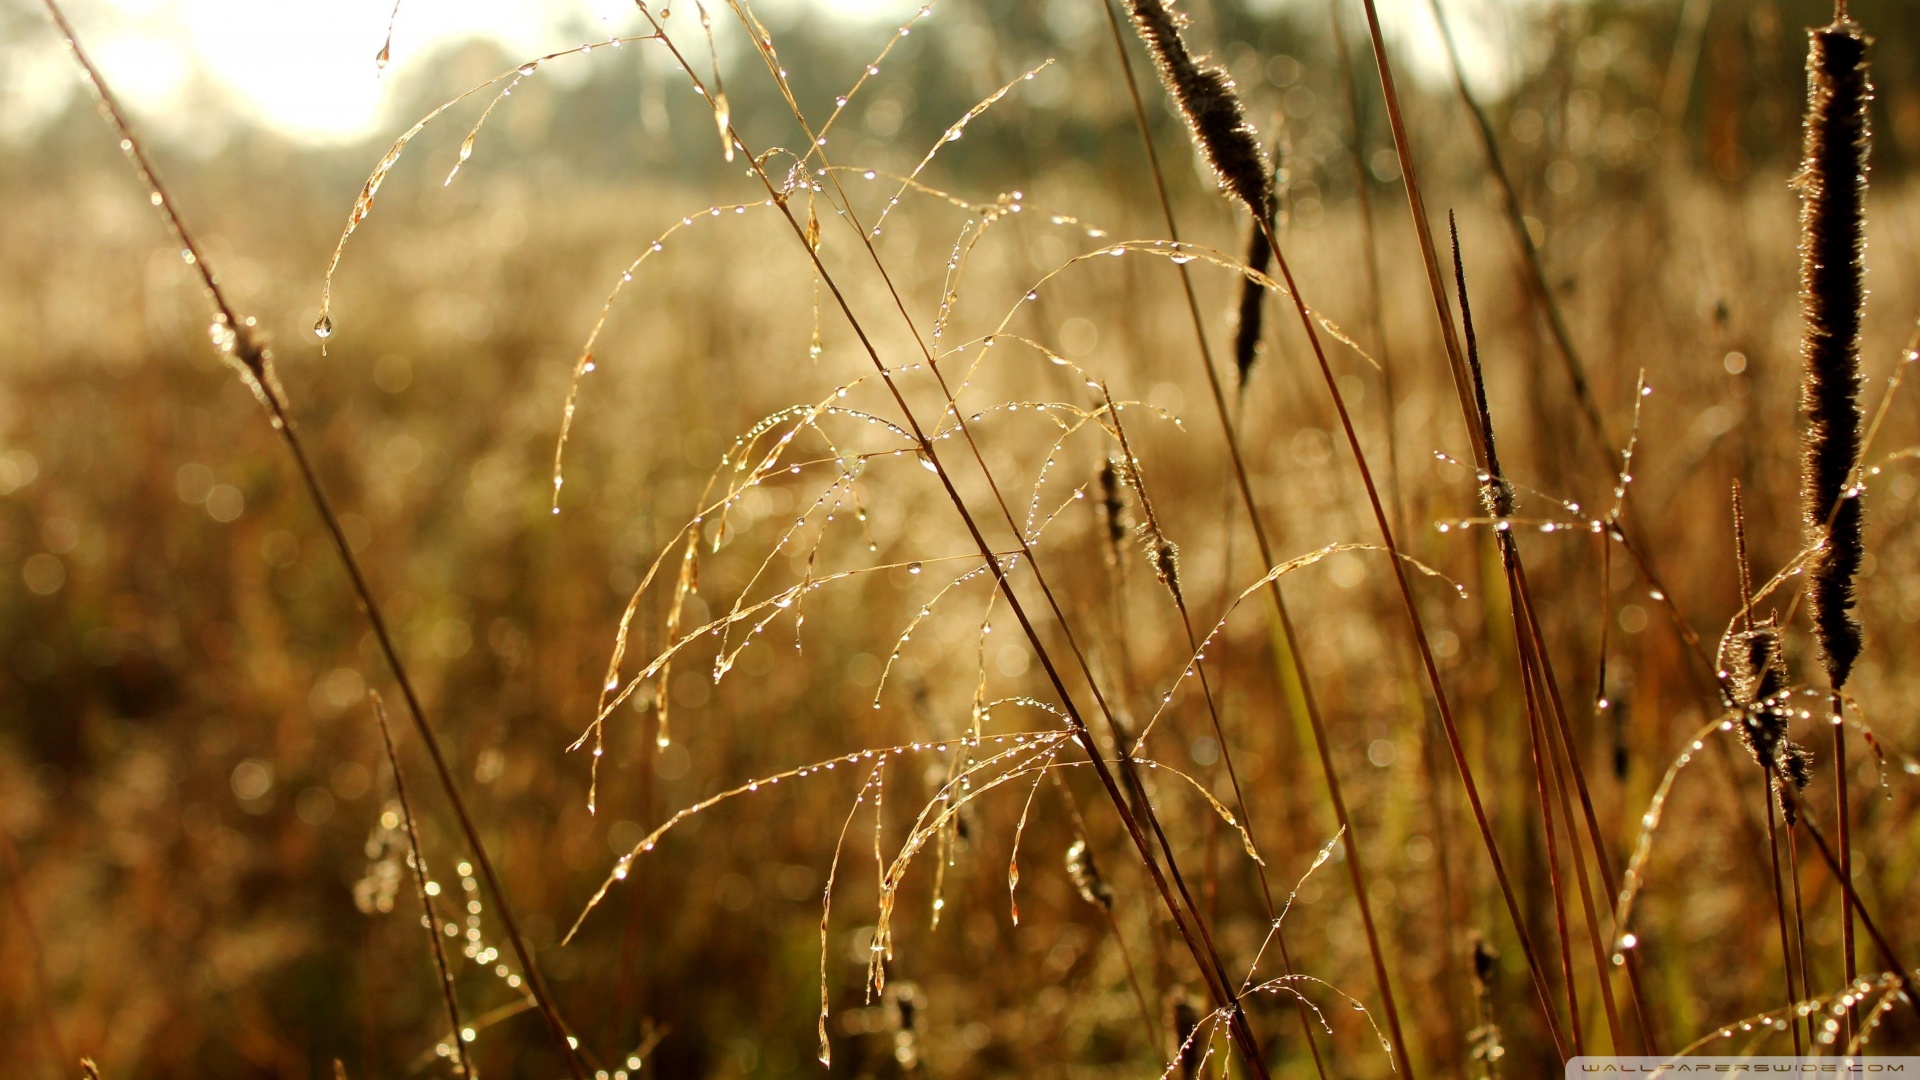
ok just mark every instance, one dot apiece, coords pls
pixel 1253 297
pixel 1113 508
pixel 1758 669
pixel 1253 294
pixel 1086 876
pixel 1485 962
pixel 1207 100
pixel 1833 185
pixel 1190 1046
pixel 1758 673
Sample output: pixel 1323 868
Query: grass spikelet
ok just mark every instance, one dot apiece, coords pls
pixel 1833 184
pixel 1208 101
pixel 1496 494
pixel 1086 876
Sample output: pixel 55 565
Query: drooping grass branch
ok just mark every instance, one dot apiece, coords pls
pixel 1168 881
pixel 241 345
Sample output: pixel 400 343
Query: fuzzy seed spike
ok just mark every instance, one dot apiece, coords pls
pixel 1833 185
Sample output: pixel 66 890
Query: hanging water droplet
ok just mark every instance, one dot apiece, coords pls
pixel 914 568
pixel 324 328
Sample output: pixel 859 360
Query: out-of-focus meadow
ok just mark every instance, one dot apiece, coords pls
pixel 204 869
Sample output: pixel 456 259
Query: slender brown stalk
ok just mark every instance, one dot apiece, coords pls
pixel 242 347
pixel 1901 973
pixel 1428 663
pixel 1541 750
pixel 1376 296
pixel 1535 277
pixel 1780 903
pixel 1601 856
pixel 1799 922
pixel 1843 836
pixel 1496 495
pixel 1588 911
pixel 417 859
pixel 1356 871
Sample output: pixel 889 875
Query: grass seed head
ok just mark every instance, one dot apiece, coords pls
pixel 1207 99
pixel 1086 876
pixel 1833 185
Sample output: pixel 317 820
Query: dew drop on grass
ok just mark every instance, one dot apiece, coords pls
pixel 324 328
pixel 914 568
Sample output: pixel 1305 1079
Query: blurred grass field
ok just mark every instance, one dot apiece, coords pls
pixel 192 786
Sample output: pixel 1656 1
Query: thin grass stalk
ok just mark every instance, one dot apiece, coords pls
pixel 1900 971
pixel 1799 921
pixel 1430 259
pixel 1780 896
pixel 1425 646
pixel 1843 830
pixel 1535 276
pixel 1601 857
pixel 243 349
pixel 1588 912
pixel 1540 752
pixel 1456 359
pixel 1219 731
pixel 1376 295
pixel 417 859
pixel 1194 932
pixel 1433 766
pixel 1497 496
pixel 1355 867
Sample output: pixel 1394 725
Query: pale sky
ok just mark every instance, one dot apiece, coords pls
pixel 306 67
